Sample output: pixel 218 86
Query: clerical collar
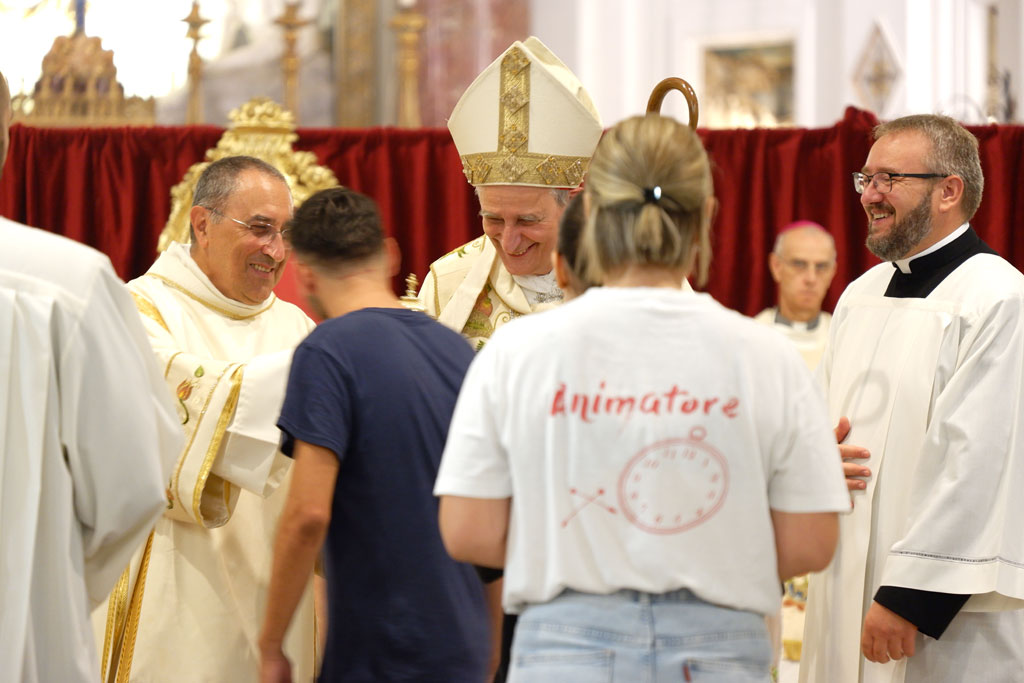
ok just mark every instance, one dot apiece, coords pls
pixel 808 326
pixel 178 270
pixel 904 264
pixel 931 267
pixel 540 289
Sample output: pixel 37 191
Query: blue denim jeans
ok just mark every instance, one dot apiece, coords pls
pixel 636 637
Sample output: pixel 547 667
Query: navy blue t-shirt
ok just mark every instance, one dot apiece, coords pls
pixel 377 387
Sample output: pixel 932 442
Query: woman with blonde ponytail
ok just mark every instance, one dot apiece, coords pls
pixel 645 464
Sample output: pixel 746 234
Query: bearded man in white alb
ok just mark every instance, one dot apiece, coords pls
pixel 525 130
pixel 88 438
pixel 926 358
pixel 191 603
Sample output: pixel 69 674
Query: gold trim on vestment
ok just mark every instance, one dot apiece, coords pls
pixel 192 437
pixel 124 666
pixel 167 370
pixel 116 613
pixel 213 307
pixel 218 435
pixel 149 309
pixel 437 296
pixel 512 163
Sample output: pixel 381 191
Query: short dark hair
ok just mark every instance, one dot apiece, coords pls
pixel 220 179
pixel 570 228
pixel 336 226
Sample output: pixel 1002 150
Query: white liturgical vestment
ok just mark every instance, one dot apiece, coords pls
pixel 192 601
pixel 470 291
pixel 932 385
pixel 809 338
pixel 89 438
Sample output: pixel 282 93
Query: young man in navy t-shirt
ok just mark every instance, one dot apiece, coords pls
pixel 369 399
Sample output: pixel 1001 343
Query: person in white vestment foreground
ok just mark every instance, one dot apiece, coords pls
pixel 89 438
pixel 369 399
pixel 802 263
pixel 645 464
pixel 224 341
pixel 926 359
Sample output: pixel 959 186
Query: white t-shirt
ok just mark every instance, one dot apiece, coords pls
pixel 643 434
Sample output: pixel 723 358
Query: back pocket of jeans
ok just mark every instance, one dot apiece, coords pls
pixel 575 666
pixel 724 671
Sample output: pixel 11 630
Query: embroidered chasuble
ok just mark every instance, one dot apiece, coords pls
pixel 191 604
pixel 89 438
pixel 927 361
pixel 470 291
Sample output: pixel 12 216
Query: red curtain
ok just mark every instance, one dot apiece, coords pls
pixel 110 188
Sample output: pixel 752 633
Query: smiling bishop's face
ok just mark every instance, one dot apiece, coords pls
pixel 522 224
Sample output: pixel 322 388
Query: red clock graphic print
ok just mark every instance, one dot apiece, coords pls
pixel 674 485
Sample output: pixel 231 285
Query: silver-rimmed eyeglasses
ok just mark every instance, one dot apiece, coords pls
pixel 261 231
pixel 883 180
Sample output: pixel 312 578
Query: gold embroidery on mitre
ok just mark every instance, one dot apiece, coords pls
pixel 512 163
pixel 575 170
pixel 515 61
pixel 513 168
pixel 550 171
pixel 476 170
pixel 511 140
pixel 503 168
pixel 515 99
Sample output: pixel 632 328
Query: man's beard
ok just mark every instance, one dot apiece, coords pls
pixel 904 235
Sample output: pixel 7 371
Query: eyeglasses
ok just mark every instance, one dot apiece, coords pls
pixel 801 266
pixel 261 231
pixel 883 181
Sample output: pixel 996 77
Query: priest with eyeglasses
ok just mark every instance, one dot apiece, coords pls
pixel 190 604
pixel 926 360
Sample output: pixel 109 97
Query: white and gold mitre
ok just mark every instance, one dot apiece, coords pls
pixel 525 120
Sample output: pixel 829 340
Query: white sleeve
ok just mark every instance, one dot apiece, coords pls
pixel 252 459
pixel 120 433
pixel 806 473
pixel 475 463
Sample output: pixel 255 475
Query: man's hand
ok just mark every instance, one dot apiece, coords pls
pixel 274 666
pixel 886 635
pixel 851 470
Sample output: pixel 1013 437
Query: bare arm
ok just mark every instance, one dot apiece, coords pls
pixel 303 526
pixel 804 542
pixel 475 530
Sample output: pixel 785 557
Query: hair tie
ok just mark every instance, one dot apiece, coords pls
pixel 652 194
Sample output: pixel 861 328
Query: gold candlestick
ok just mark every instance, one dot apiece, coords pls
pixel 408 24
pixel 291 24
pixel 410 300
pixel 194 113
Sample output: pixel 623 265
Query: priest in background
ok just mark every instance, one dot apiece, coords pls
pixel 525 130
pixel 89 438
pixel 190 604
pixel 926 358
pixel 802 264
